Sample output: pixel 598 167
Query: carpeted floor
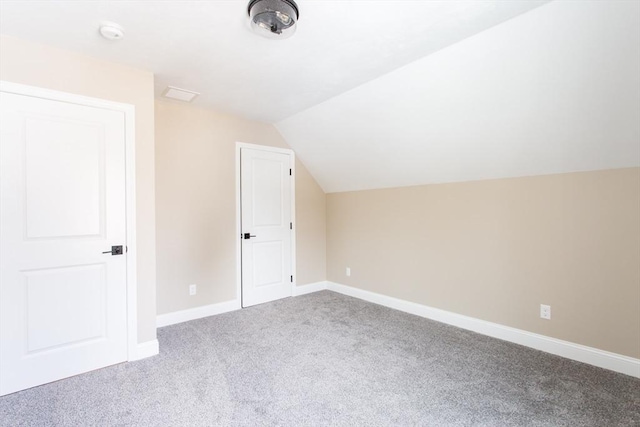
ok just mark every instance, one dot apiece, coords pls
pixel 327 359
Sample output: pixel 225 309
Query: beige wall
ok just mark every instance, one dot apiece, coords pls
pixel 38 65
pixel 495 250
pixel 196 206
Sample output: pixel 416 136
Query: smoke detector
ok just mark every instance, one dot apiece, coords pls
pixel 111 31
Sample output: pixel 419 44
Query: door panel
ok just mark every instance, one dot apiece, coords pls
pixel 266 216
pixel 57 183
pixel 62 203
pixel 266 192
pixel 267 263
pixel 53 325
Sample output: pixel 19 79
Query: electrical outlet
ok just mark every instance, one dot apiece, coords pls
pixel 545 311
pixel 348 271
pixel 193 289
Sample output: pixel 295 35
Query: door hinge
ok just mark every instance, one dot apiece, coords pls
pixel 290 226
pixel 289 172
pixel 291 279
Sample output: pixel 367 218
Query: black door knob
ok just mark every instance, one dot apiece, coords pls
pixel 115 250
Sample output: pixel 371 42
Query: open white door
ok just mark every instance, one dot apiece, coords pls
pixel 266 225
pixel 63 301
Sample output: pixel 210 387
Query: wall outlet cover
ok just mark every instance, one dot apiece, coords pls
pixel 545 311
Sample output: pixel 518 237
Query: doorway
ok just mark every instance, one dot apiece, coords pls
pixel 67 229
pixel 266 224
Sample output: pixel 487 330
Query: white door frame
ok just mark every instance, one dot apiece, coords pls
pixel 128 111
pixel 240 145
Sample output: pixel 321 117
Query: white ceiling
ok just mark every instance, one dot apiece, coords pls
pixel 554 90
pixel 374 94
pixel 207 47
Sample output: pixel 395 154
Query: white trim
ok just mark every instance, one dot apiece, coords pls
pixel 196 313
pixel 146 349
pixel 130 182
pixel 294 271
pixel 240 145
pixel 181 316
pixel 292 165
pixel 71 98
pixel 309 288
pixel 592 356
pixel 132 247
pixel 238 229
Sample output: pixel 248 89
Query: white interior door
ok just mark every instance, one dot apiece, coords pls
pixel 266 225
pixel 63 302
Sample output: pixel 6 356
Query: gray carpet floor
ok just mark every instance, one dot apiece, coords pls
pixel 327 359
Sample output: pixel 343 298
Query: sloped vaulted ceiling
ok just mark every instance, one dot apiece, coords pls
pixel 554 90
pixel 207 46
pixel 386 93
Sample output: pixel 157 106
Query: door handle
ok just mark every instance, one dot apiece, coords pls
pixel 248 235
pixel 115 250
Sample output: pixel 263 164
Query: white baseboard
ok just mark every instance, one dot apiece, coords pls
pixel 196 313
pixel 307 289
pixel 593 356
pixel 145 349
pixel 223 307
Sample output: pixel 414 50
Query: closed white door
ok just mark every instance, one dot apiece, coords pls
pixel 63 302
pixel 266 226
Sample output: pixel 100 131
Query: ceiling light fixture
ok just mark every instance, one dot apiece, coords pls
pixel 274 19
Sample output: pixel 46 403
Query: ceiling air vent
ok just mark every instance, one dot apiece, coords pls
pixel 179 94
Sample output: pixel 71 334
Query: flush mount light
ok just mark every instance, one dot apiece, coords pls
pixel 111 31
pixel 274 19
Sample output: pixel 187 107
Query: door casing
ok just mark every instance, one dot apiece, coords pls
pixel 239 146
pixel 128 111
